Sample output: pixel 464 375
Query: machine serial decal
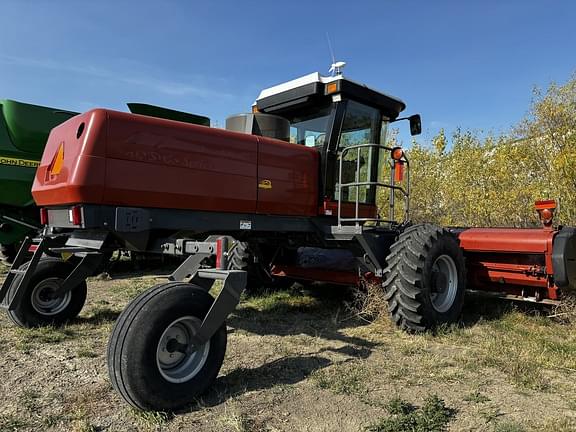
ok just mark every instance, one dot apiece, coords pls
pixel 265 184
pixel 19 162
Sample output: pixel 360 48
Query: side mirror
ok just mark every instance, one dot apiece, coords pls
pixel 415 124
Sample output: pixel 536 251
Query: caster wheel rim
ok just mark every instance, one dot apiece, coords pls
pixel 445 283
pixel 177 359
pixel 43 300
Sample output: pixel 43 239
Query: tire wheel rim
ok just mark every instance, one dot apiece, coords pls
pixel 177 358
pixel 43 300
pixel 445 283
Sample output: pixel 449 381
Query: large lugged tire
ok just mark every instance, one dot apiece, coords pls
pixel 37 307
pixel 147 359
pixel 425 278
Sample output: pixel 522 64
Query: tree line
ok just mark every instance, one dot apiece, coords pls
pixel 469 179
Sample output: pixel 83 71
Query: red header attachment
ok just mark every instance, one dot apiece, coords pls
pixel 545 209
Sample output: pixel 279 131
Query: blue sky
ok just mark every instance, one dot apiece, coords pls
pixel 469 64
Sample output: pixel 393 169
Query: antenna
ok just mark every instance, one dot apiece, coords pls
pixel 336 67
pixel 330 48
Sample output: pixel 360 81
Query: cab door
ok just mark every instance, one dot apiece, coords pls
pixel 360 124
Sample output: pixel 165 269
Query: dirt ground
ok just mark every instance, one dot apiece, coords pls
pixel 301 361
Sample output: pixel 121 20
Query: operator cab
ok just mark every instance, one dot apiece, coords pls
pixel 347 123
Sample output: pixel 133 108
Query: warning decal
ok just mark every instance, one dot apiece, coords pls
pixel 245 225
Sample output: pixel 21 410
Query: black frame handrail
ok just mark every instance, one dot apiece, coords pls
pixel 357 184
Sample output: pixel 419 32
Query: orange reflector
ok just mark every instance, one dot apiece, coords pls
pixel 331 88
pixel 398 171
pixel 58 161
pixel 397 153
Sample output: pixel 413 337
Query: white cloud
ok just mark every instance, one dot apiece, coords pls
pixel 168 87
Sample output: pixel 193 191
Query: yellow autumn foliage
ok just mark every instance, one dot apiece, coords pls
pixel 494 180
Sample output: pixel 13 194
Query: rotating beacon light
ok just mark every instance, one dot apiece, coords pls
pixel 545 209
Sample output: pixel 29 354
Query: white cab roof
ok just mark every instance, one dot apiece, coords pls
pixel 308 79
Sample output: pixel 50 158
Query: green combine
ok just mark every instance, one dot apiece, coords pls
pixel 24 129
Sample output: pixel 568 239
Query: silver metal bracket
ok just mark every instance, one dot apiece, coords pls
pixel 233 284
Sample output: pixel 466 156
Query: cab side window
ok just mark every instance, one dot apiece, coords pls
pixel 310 130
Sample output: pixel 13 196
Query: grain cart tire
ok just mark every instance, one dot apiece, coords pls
pixel 37 308
pixel 425 278
pixel 145 360
pixel 7 253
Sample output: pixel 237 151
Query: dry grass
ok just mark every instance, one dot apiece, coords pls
pixel 565 313
pixel 344 378
pixel 299 360
pixel 235 420
pixel 368 302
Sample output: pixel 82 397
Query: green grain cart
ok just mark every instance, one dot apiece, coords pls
pixel 24 129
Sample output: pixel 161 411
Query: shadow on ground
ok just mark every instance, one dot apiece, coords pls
pixel 284 371
pixel 320 319
pixel 479 308
pixel 324 317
